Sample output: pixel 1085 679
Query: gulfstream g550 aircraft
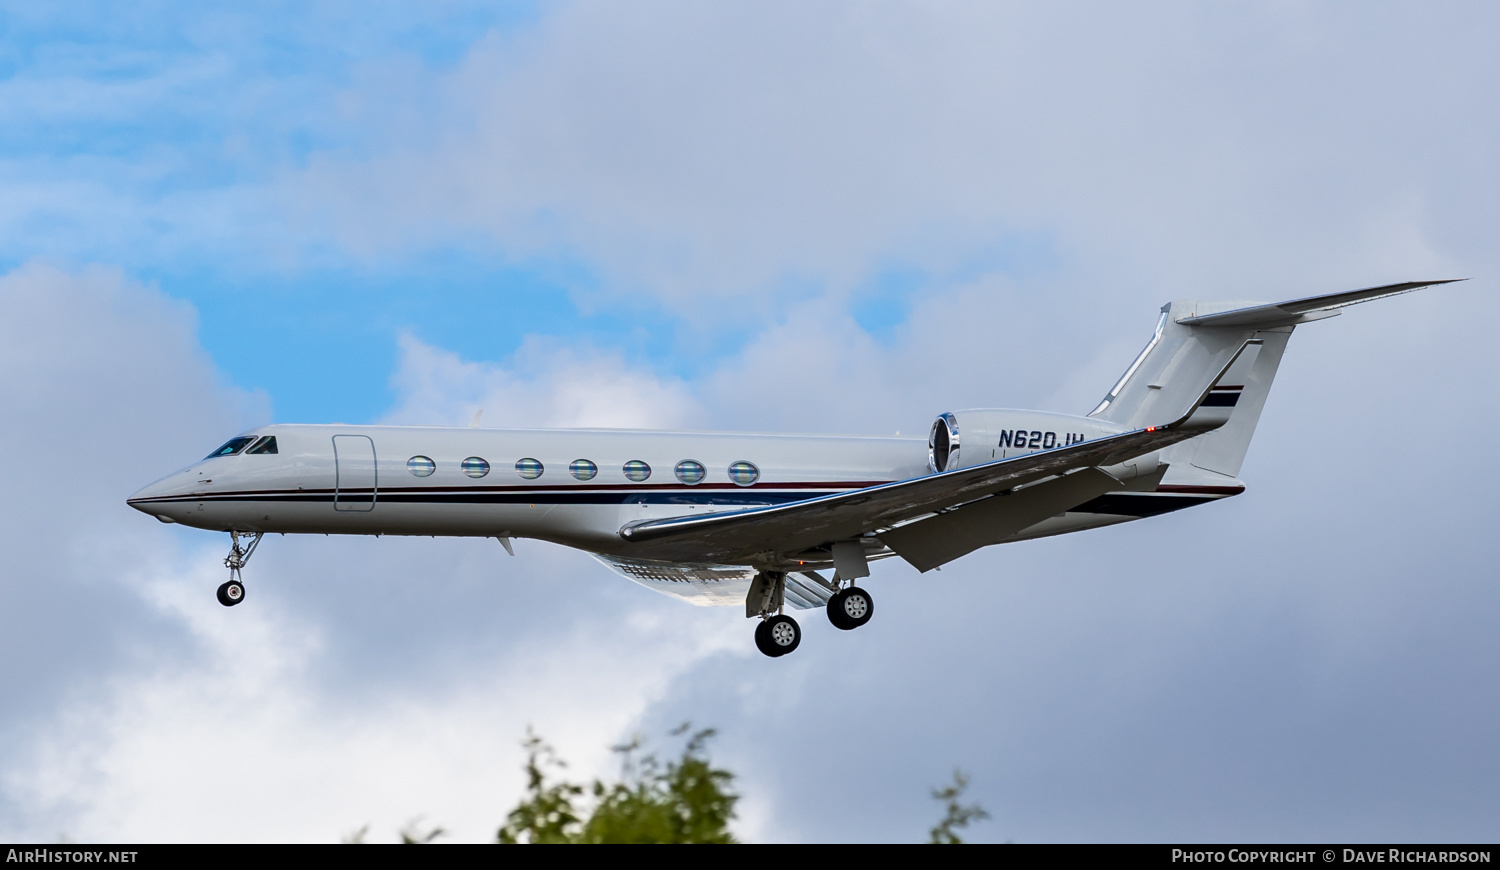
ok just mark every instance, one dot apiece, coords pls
pixel 724 518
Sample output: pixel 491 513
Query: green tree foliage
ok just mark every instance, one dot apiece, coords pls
pixel 684 800
pixel 958 815
pixel 546 815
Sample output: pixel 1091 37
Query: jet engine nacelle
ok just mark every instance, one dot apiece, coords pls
pixel 960 439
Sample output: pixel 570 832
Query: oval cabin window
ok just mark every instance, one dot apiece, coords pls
pixel 529 468
pixel 690 472
pixel 476 467
pixel 421 466
pixel 637 470
pixel 583 469
pixel 744 473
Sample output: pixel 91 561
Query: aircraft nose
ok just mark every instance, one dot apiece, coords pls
pixel 153 498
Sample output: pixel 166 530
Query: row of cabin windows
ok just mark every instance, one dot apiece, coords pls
pixel 688 471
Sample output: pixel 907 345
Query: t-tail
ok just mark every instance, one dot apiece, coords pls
pixel 1195 339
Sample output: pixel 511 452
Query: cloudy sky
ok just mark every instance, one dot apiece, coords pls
pixel 772 216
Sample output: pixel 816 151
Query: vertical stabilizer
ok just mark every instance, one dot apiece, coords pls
pixel 1172 368
pixel 1247 385
pixel 1171 371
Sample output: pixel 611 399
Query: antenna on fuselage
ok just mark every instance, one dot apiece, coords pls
pixel 474 423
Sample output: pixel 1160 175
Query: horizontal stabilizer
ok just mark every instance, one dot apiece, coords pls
pixel 1303 310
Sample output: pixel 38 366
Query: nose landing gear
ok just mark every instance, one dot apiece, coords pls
pixel 232 592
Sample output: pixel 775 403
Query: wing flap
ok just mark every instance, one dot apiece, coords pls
pixel 929 543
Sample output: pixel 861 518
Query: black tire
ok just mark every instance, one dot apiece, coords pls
pixel 850 608
pixel 763 640
pixel 231 593
pixel 783 635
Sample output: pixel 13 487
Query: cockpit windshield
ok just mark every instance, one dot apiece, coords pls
pixel 231 447
pixel 266 444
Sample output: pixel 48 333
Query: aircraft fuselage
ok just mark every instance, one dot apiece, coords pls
pixel 575 487
pixel 572 487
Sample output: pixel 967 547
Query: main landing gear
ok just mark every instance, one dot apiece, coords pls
pixel 849 608
pixel 232 592
pixel 778 634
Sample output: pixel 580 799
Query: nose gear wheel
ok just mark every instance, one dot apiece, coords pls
pixel 231 593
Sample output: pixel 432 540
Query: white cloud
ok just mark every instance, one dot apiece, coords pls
pixel 814 369
pixel 242 739
pixel 702 152
pixel 547 384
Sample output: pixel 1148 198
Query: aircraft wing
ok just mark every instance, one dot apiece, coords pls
pixel 735 536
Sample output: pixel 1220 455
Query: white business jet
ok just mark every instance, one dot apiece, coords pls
pixel 719 518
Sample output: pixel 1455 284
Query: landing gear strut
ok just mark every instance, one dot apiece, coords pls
pixel 777 634
pixel 232 592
